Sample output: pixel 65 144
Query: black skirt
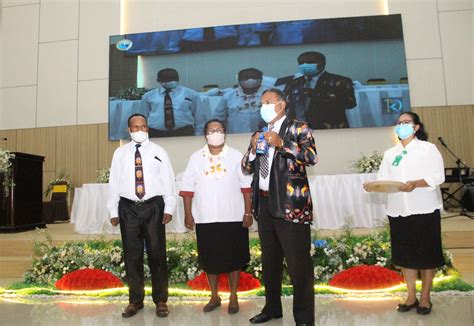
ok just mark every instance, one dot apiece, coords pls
pixel 416 241
pixel 222 247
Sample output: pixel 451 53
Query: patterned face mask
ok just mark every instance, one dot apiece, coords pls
pixel 215 139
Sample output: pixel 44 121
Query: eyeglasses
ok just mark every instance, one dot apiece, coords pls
pixel 405 122
pixel 213 131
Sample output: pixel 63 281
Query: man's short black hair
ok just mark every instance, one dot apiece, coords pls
pixel 167 74
pixel 248 73
pixel 211 121
pixel 136 115
pixel 276 91
pixel 311 57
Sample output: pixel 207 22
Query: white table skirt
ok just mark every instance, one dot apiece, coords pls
pixel 89 210
pixel 338 199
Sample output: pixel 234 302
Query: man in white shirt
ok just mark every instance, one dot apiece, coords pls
pixel 142 200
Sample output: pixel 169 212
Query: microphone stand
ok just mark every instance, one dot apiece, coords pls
pixel 460 165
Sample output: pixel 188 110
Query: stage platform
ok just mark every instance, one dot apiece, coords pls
pixel 16 248
pixel 447 310
pixel 15 258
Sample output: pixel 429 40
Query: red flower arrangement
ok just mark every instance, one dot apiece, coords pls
pixel 88 279
pixel 366 277
pixel 246 282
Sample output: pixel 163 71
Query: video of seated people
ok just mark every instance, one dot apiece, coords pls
pixel 335 73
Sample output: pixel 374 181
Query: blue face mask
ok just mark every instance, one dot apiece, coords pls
pixel 267 112
pixel 404 131
pixel 308 69
pixel 170 85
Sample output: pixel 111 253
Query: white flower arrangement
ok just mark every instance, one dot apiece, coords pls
pixel 368 163
pixel 103 176
pixel 5 169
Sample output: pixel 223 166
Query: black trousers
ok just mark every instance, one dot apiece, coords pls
pixel 281 239
pixel 141 224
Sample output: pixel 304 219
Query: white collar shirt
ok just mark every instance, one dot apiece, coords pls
pixel 216 183
pixel 158 176
pixel 421 161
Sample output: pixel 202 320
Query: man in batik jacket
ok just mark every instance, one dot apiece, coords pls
pixel 283 207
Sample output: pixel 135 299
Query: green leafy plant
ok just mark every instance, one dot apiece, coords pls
pixel 6 158
pixel 330 256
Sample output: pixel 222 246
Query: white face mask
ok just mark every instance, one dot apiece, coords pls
pixel 267 111
pixel 139 136
pixel 215 139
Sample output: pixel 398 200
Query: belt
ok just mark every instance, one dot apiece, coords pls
pixel 264 193
pixel 139 202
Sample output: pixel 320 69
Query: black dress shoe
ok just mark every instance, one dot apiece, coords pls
pixel 407 307
pixel 132 309
pixel 305 324
pixel 162 310
pixel 263 318
pixel 424 310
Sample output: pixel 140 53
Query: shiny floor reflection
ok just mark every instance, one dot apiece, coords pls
pixel 453 311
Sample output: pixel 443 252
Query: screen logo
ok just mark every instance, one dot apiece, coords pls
pixel 392 104
pixel 124 45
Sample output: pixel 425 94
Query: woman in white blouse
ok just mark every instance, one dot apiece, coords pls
pixel 414 211
pixel 216 199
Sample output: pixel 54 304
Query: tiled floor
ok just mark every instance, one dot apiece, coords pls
pixel 452 311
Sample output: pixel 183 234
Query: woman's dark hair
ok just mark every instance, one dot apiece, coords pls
pixel 421 134
pixel 211 121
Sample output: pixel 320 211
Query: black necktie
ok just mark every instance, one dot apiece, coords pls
pixel 169 115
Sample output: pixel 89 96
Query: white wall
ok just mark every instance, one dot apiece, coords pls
pixel 54 58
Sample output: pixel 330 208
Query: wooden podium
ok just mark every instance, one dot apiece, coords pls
pixel 22 208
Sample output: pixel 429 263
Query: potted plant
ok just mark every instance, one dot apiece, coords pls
pixel 61 180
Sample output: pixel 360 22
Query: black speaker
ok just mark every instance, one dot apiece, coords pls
pixel 468 198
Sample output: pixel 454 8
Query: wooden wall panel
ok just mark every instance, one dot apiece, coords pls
pixel 39 141
pixel 106 147
pixel 10 143
pixel 455 125
pixel 81 150
pixel 76 153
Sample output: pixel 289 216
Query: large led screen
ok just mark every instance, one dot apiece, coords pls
pixel 335 73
